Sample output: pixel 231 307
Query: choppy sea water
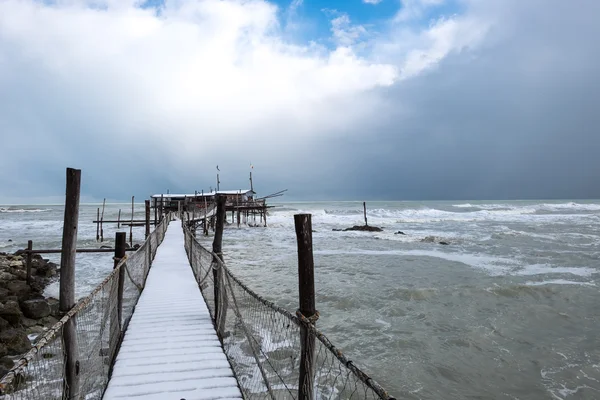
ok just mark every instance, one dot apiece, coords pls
pixel 509 309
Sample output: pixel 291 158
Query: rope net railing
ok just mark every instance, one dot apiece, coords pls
pixel 263 341
pixel 39 374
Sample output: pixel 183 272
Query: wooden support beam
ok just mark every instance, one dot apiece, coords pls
pixel 306 290
pixel 147 203
pixel 67 284
pixel 218 272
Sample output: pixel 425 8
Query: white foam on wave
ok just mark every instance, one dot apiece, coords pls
pixel 559 282
pixel 22 210
pixel 571 206
pixel 542 269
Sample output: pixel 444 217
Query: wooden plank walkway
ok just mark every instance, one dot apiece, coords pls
pixel 170 350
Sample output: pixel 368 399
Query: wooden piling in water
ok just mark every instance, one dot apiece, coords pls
pixel 218 272
pixel 119 220
pixel 67 284
pixel 306 290
pixel 365 212
pixel 29 260
pixel 120 247
pixel 98 225
pixel 147 204
pixel 101 221
pixel 131 225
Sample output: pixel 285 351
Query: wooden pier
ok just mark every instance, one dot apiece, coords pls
pixel 172 322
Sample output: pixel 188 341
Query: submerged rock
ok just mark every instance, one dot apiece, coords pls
pixel 363 228
pixel 399 233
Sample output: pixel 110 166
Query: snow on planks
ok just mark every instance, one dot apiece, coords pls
pixel 170 349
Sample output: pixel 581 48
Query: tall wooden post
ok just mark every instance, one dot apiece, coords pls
pixel 162 207
pixel 306 289
pixel 119 220
pixel 98 225
pixel 29 259
pixel 154 200
pixel 147 202
pixel 217 249
pixel 131 225
pixel 67 284
pixel 365 212
pixel 102 221
pixel 120 246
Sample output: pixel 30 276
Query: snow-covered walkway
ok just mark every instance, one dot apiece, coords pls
pixel 170 350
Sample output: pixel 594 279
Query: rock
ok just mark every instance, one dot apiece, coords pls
pixel 48 321
pixel 9 240
pixel 15 340
pixel 53 304
pixel 364 228
pixel 428 239
pixel 3 350
pixel 6 276
pixel 47 269
pixel 3 324
pixel 20 274
pixel 35 308
pixel 444 243
pixel 19 288
pixel 16 264
pixel 5 365
pixel 28 322
pixel 3 293
pixel 11 313
pixel 399 233
pixel 337 230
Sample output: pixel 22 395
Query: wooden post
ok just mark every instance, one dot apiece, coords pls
pixel 155 210
pixel 98 225
pixel 147 202
pixel 120 246
pixel 131 225
pixel 238 218
pixel 162 206
pixel 67 284
pixel 365 212
pixel 102 221
pixel 306 289
pixel 29 259
pixel 119 220
pixel 217 249
pixel 265 215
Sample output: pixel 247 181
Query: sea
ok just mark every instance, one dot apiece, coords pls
pixel 452 300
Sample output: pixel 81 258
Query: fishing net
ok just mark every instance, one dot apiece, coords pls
pixel 263 341
pixel 39 374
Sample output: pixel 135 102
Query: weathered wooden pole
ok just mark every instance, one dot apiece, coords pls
pixel 162 206
pixel 98 225
pixel 131 225
pixel 365 212
pixel 306 289
pixel 265 215
pixel 29 259
pixel 147 202
pixel 119 220
pixel 155 210
pixel 238 217
pixel 102 221
pixel 217 250
pixel 120 246
pixel 67 284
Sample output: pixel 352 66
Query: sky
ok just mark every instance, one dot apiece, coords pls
pixel 330 99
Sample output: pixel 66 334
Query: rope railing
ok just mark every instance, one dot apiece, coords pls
pixel 39 374
pixel 263 341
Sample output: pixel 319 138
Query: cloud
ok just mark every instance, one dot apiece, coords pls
pixel 372 1
pixel 145 99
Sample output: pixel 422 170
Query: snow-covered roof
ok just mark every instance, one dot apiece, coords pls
pixel 200 194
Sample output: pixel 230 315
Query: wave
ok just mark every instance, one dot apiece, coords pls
pixel 22 210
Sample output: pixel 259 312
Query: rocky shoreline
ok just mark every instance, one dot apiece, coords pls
pixel 24 311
